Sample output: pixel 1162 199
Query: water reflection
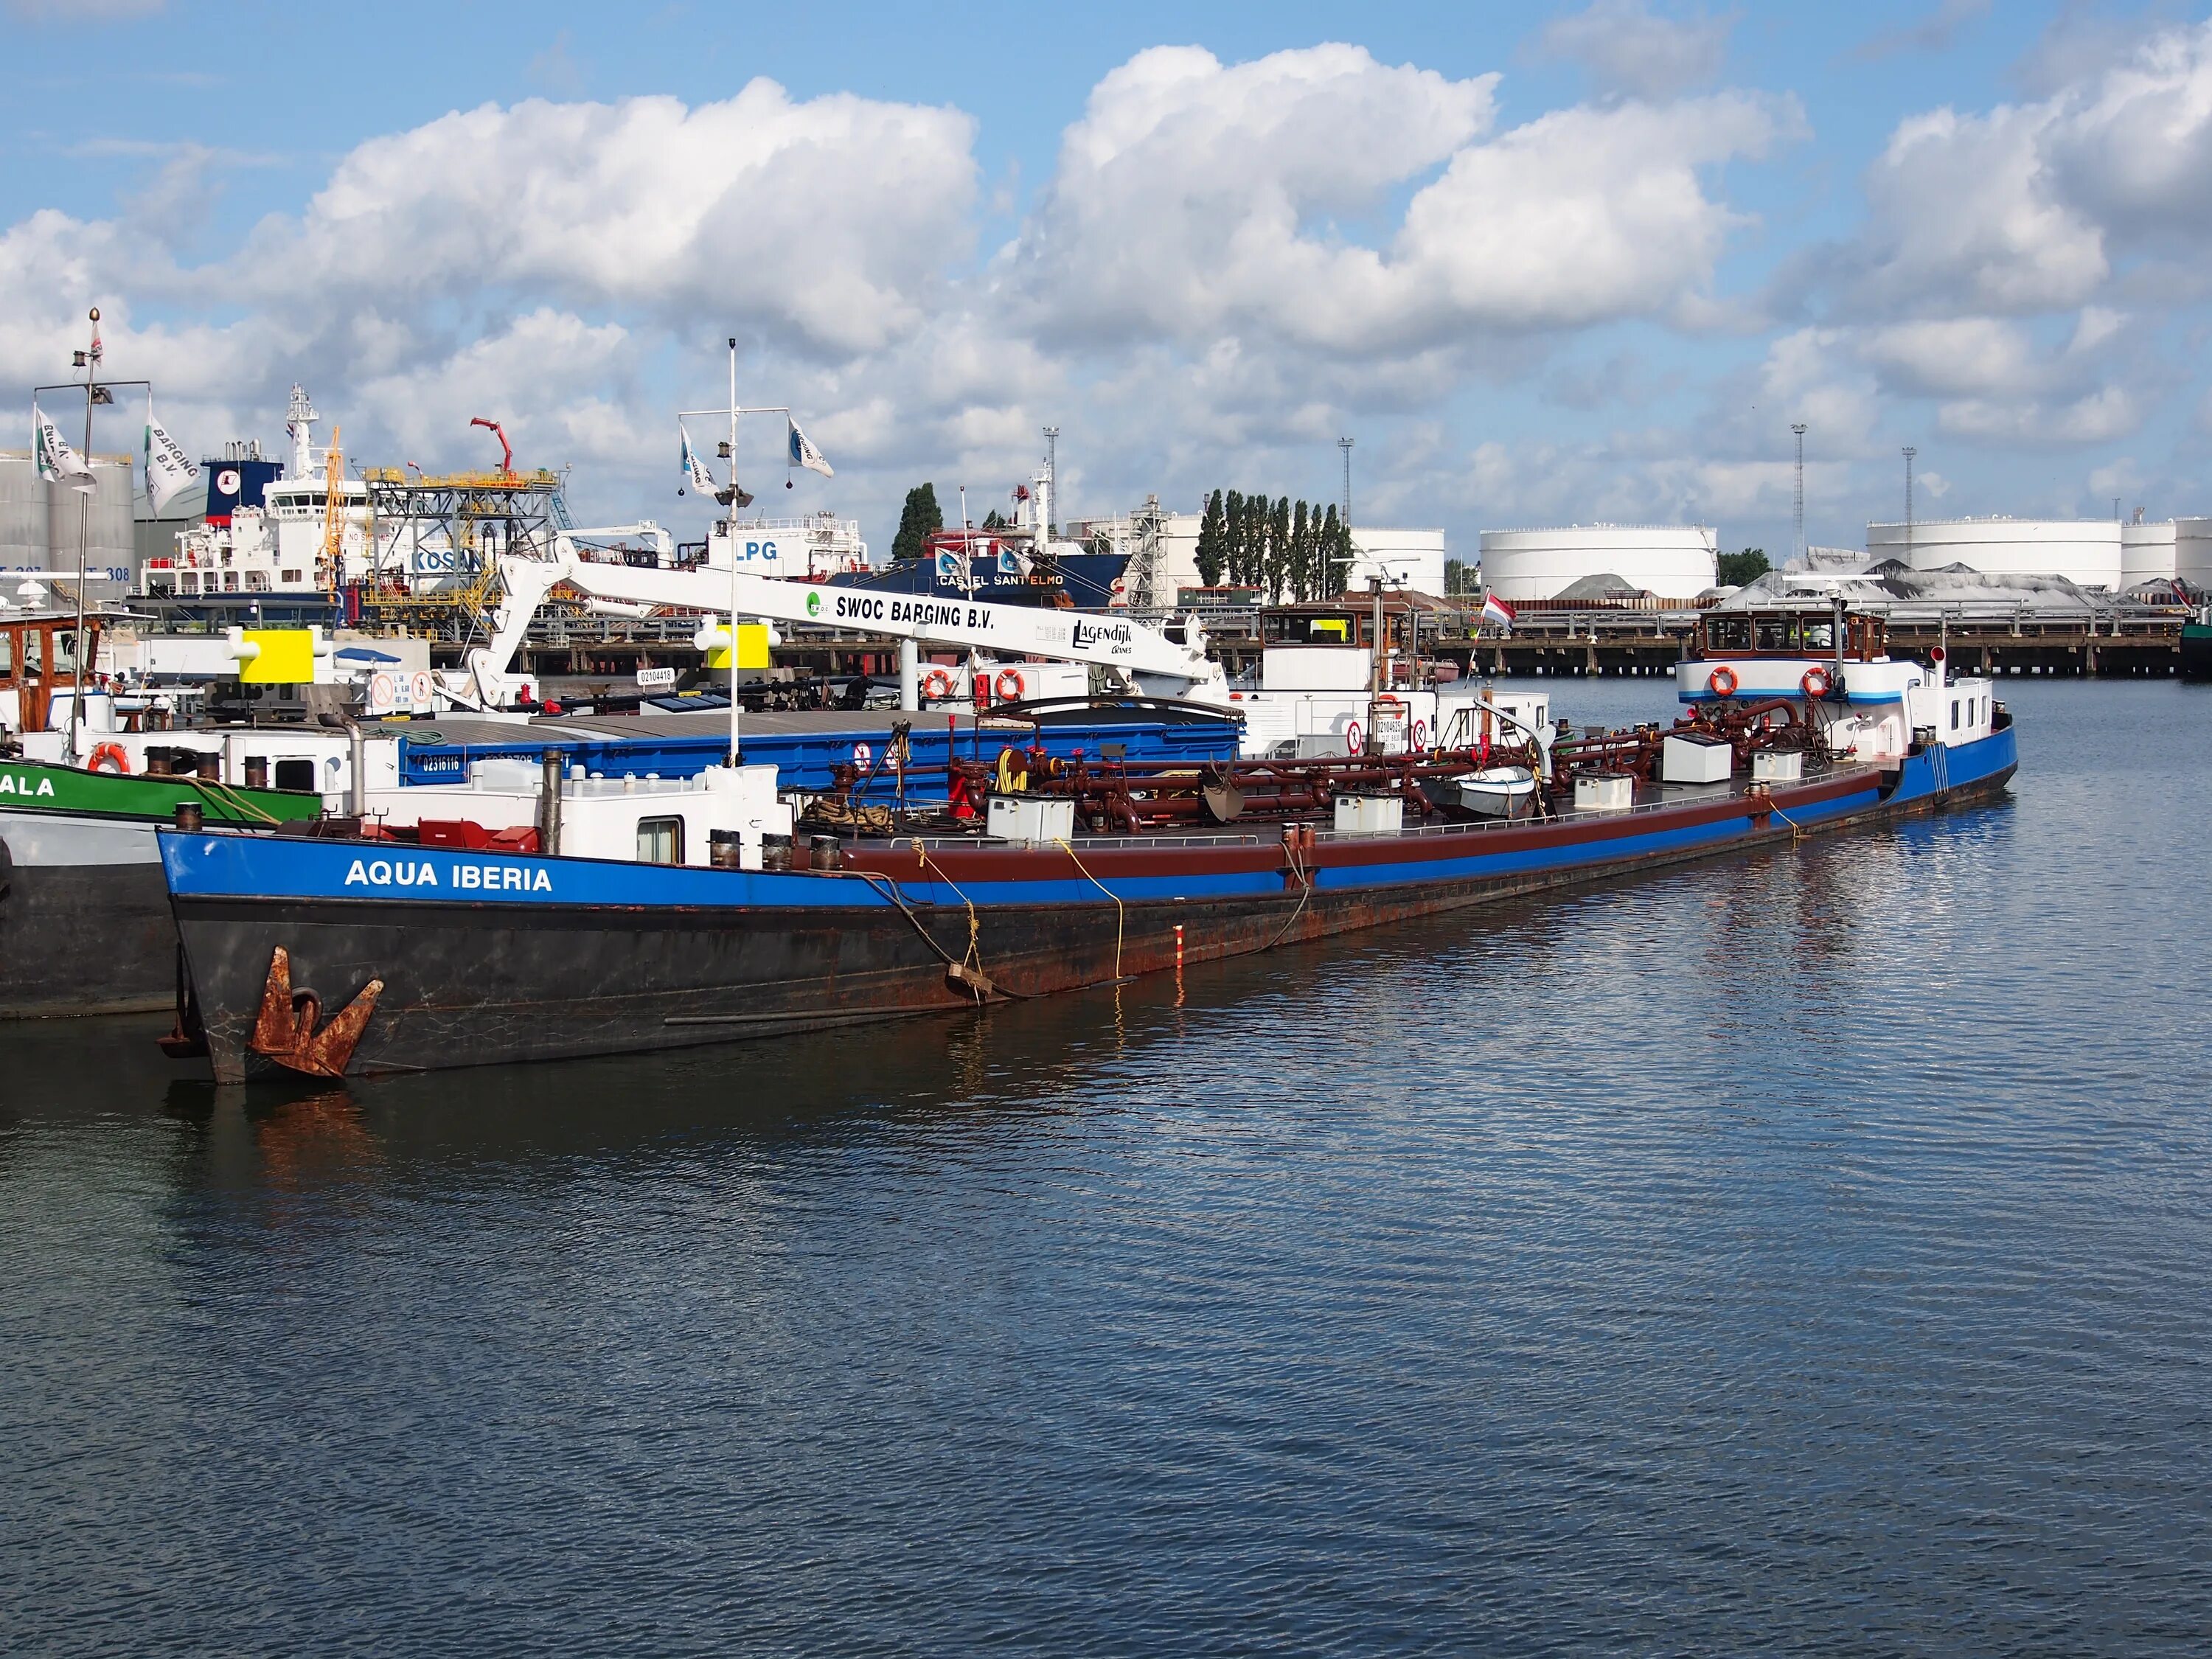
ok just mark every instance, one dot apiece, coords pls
pixel 1691 1263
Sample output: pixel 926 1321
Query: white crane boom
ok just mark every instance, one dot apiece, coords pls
pixel 1172 666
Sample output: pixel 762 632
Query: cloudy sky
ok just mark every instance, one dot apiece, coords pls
pixel 1581 263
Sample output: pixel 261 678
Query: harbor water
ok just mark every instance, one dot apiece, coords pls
pixel 1805 1252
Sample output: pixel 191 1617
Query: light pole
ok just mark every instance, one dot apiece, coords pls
pixel 1909 452
pixel 1798 428
pixel 1345 444
pixel 96 391
pixel 1051 514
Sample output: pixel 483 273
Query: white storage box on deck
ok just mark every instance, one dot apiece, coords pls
pixel 1605 792
pixel 1370 815
pixel 1694 757
pixel 1777 766
pixel 1030 817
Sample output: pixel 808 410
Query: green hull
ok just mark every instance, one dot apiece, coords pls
pixel 84 914
pixel 2196 650
pixel 44 788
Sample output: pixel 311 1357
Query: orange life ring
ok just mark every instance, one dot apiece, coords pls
pixel 108 757
pixel 937 683
pixel 1815 682
pixel 1722 682
pixel 1010 684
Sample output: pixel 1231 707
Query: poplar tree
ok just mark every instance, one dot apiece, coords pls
pixel 1232 536
pixel 919 520
pixel 1300 574
pixel 1210 528
pixel 1331 540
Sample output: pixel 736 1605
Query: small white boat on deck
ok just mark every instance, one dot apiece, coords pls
pixel 1497 792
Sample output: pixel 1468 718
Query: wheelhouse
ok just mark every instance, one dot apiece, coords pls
pixel 38 657
pixel 1797 631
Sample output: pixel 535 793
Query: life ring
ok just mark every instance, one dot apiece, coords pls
pixel 1722 681
pixel 108 757
pixel 1351 736
pixel 937 683
pixel 1815 682
pixel 1010 684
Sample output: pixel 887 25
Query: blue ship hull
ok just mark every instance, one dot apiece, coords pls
pixel 489 957
pixel 1082 581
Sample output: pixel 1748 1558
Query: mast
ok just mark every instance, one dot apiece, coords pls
pixel 731 542
pixel 84 533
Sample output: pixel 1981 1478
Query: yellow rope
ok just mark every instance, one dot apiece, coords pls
pixel 1120 912
pixel 974 927
pixel 224 795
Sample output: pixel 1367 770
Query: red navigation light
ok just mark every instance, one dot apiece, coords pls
pixel 1936 655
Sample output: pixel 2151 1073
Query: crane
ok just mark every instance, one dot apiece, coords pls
pixel 1146 657
pixel 332 559
pixel 505 450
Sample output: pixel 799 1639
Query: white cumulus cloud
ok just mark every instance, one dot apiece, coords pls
pixel 1195 198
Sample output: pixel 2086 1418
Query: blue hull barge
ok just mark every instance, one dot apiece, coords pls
pixel 686 912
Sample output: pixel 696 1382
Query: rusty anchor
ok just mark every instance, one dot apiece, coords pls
pixel 284 1031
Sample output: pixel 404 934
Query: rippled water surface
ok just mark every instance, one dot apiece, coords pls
pixel 1802 1253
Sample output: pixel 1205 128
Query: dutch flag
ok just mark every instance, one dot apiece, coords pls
pixel 1497 613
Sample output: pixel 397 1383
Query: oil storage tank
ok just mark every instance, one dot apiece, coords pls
pixel 2145 553
pixel 2192 551
pixel 2085 552
pixel 1671 561
pixel 40 523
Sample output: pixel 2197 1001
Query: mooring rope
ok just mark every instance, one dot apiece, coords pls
pixel 1120 913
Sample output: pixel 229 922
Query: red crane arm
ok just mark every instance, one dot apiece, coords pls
pixel 506 451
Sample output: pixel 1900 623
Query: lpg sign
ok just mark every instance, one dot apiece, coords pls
pixel 757 552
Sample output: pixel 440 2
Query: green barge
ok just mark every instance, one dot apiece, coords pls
pixel 85 925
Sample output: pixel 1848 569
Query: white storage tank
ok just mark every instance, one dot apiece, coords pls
pixel 2192 551
pixel 2085 552
pixel 2145 553
pixel 1412 559
pixel 1673 562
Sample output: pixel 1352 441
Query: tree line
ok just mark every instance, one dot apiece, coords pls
pixel 1286 549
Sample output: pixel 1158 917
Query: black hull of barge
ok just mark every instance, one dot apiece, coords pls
pixel 90 938
pixel 472 986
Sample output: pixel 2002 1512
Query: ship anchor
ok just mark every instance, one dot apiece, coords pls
pixel 284 1031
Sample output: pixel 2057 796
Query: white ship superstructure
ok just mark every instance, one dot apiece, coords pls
pixel 288 543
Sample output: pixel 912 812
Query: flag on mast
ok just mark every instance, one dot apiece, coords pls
pixel 1497 612
pixel 169 470
pixel 696 475
pixel 58 462
pixel 803 453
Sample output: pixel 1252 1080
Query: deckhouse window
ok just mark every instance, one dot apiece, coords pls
pixel 295 775
pixel 1775 633
pixel 1728 633
pixel 1954 713
pixel 34 651
pixel 1820 633
pixel 660 841
pixel 7 653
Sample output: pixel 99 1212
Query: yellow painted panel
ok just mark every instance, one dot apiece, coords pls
pixel 752 648
pixel 287 657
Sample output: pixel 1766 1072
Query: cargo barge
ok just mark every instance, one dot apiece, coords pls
pixel 632 919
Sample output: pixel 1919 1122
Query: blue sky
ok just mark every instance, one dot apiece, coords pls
pixel 1578 262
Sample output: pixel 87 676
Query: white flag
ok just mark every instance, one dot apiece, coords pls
pixel 169 470
pixel 58 462
pixel 696 475
pixel 803 453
